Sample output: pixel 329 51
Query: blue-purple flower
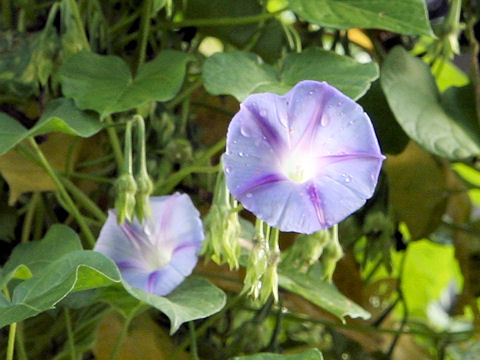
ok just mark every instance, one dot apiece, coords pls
pixel 303 161
pixel 157 254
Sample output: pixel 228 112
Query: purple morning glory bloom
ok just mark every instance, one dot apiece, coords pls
pixel 158 254
pixel 303 161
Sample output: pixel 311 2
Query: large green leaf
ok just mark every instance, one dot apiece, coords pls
pixel 60 115
pixel 401 16
pixel 236 73
pixel 349 76
pixel 104 83
pixel 312 354
pixel 58 268
pixel 194 299
pixel 241 74
pixel 319 292
pixel 439 125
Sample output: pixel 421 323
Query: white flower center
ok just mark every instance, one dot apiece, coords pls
pixel 299 167
pixel 159 258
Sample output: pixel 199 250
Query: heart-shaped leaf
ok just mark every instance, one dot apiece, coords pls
pixel 439 125
pixel 105 84
pixel 60 115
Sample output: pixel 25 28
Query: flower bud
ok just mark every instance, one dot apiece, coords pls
pixel 125 188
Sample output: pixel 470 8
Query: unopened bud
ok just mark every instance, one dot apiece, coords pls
pixel 144 189
pixel 125 188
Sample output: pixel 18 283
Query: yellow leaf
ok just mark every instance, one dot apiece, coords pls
pixel 22 175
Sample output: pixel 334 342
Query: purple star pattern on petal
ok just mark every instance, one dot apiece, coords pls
pixel 303 161
pixel 159 253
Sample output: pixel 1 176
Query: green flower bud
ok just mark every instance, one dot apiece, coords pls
pixel 306 250
pixel 125 188
pixel 270 279
pixel 332 253
pixel 257 266
pixel 144 189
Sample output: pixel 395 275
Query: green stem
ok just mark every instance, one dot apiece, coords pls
pixel 167 185
pixel 61 189
pixel 114 142
pixel 11 341
pixel 216 148
pixel 27 223
pixel 84 200
pixel 20 343
pixel 193 341
pixel 184 94
pixel 202 329
pixel 98 179
pixel 144 32
pixel 122 335
pixel 11 331
pixel 224 21
pixel 79 23
pixel 71 339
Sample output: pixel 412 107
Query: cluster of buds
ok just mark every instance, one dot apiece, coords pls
pixel 133 192
pixel 223 227
pixel 261 279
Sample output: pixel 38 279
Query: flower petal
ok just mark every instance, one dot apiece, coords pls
pixel 175 221
pixel 116 243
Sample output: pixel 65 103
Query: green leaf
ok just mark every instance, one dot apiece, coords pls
pixel 413 96
pixel 11 132
pixel 312 354
pixel 401 16
pixel 60 115
pixel 104 83
pixel 349 76
pixel 241 74
pixel 194 299
pixel 236 73
pixel 429 268
pixel 58 266
pixel 321 293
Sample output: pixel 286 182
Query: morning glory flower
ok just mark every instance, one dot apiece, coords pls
pixel 157 254
pixel 304 161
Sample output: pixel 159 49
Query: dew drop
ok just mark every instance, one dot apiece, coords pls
pixel 241 154
pixel 324 121
pixel 245 131
pixel 228 170
pixel 310 92
pixel 249 195
pixel 284 122
pixel 263 113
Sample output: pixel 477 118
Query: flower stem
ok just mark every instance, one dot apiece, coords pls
pixel 61 189
pixel 143 34
pixel 114 142
pixel 122 335
pixel 80 196
pixel 167 185
pixel 201 330
pixel 193 341
pixel 225 21
pixel 27 224
pixel 11 332
pixel 71 340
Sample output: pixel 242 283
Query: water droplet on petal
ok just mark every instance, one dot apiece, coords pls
pixel 310 92
pixel 249 195
pixel 284 122
pixel 241 154
pixel 324 121
pixel 228 170
pixel 245 131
